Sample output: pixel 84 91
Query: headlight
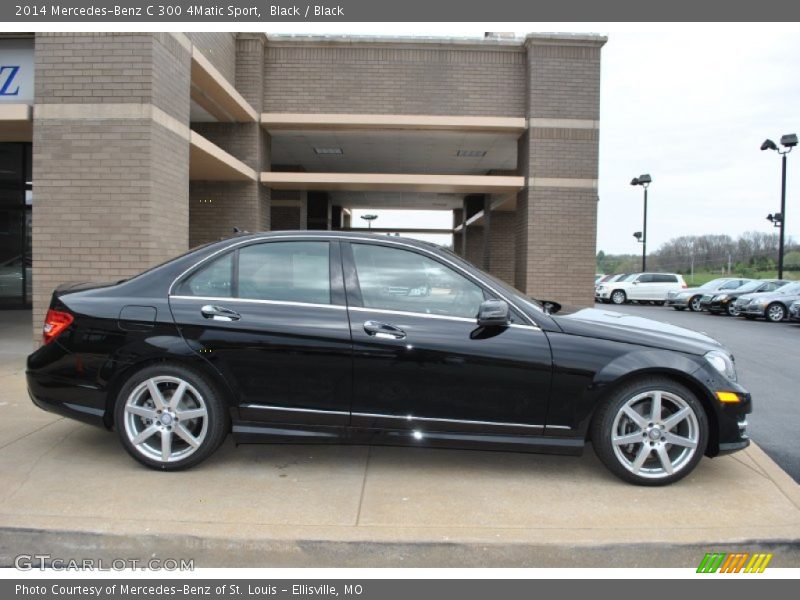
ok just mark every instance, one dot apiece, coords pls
pixel 601 288
pixel 721 297
pixel 723 363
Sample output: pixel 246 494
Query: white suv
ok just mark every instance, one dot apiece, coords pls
pixel 644 287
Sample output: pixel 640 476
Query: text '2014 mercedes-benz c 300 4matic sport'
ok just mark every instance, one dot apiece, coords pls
pixel 332 337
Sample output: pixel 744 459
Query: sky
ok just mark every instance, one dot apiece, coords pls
pixel 690 104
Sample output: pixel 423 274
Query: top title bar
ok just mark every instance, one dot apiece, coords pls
pixel 150 11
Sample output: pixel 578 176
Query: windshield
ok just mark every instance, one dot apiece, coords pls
pixel 792 288
pixel 750 286
pixel 713 284
pixel 630 277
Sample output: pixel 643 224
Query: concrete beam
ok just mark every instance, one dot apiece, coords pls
pixel 394 182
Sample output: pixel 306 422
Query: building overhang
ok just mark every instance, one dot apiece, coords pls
pixel 394 182
pixel 209 162
pixel 337 122
pixel 216 95
pixel 16 123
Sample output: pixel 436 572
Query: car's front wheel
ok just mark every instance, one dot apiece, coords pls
pixel 694 304
pixel 732 310
pixel 652 431
pixel 170 417
pixel 776 312
pixel 619 297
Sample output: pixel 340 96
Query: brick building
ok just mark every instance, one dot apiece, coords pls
pixel 118 151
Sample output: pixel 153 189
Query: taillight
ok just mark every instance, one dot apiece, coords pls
pixel 55 323
pixel 684 286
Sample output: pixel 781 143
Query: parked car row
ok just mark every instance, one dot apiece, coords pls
pixel 775 300
pixel 648 287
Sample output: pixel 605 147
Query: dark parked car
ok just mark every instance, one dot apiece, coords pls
pixel 303 337
pixel 773 306
pixel 728 302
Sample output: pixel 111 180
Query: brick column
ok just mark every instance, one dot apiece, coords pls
pixel 218 207
pixel 557 211
pixel 110 157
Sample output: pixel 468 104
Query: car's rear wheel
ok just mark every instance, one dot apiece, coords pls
pixel 732 310
pixel 170 417
pixel 694 304
pixel 619 297
pixel 776 312
pixel 652 432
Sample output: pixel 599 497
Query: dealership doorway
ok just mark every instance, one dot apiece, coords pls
pixel 15 225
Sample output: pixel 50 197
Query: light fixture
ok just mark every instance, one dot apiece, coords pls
pixel 328 151
pixel 768 145
pixel 638 235
pixel 788 141
pixel 471 153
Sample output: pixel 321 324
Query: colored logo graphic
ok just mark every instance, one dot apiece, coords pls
pixel 739 562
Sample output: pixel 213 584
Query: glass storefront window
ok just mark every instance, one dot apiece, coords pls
pixel 16 198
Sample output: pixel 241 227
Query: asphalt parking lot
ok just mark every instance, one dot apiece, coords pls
pixel 766 359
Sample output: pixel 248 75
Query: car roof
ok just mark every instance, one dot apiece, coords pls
pixel 326 234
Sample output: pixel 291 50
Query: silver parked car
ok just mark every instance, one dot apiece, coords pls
pixel 773 306
pixel 690 297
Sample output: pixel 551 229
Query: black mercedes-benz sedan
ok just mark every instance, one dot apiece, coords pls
pixel 320 337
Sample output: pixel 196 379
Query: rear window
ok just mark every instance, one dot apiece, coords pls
pixel 661 278
pixel 276 271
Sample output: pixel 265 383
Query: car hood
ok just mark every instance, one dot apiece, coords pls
pixel 694 290
pixel 630 329
pixel 769 296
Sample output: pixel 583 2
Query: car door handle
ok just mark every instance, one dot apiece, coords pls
pixel 219 313
pixel 384 331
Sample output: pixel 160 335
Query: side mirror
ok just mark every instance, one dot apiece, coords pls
pixel 493 313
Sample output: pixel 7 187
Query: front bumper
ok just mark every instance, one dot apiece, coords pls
pixel 794 312
pixel 677 301
pixel 754 310
pixel 602 294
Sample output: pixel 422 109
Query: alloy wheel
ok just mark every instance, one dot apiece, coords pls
pixel 166 418
pixel 618 297
pixel 655 434
pixel 694 304
pixel 733 310
pixel 776 313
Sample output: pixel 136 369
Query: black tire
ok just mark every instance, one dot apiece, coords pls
pixel 679 307
pixel 749 317
pixel 775 313
pixel 686 459
pixel 732 311
pixel 199 394
pixel 659 302
pixel 694 304
pixel 618 297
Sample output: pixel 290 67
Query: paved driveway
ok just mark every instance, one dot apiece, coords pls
pixel 768 362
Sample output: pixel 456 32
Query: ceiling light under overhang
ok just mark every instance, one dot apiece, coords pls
pixel 328 151
pixel 471 153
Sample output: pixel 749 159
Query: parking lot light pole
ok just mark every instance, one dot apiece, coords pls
pixel 644 181
pixel 788 141
pixel 369 219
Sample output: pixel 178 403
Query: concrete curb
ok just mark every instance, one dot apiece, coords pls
pixel 216 552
